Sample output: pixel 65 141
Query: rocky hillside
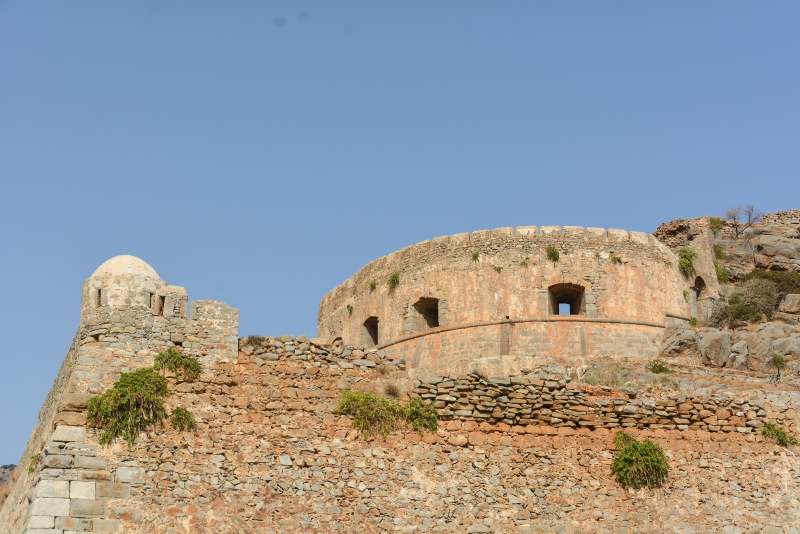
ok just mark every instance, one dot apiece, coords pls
pixel 748 303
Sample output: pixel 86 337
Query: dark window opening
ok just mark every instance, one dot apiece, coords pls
pixel 371 331
pixel 428 309
pixel 99 297
pixel 699 286
pixel 566 299
pixel 158 309
pixel 96 337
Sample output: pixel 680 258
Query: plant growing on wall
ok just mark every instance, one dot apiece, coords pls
pixel 373 285
pixel 552 253
pixel 181 365
pixel 686 257
pixel 524 263
pixel 33 463
pixel 497 269
pixel 373 415
pixel 719 252
pixel 182 419
pixel 135 403
pixel 394 280
pixel 638 464
pixel 616 260
pixel 476 256
pixel 778 434
pixel 349 309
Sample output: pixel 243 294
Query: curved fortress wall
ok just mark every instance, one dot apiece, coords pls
pixel 498 294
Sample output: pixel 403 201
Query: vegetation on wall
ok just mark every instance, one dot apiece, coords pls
pixel 182 419
pixel 552 253
pixel 686 257
pixel 524 263
pixel 638 464
pixel 394 280
pixel 778 434
pixel 497 269
pixel 373 285
pixel 476 256
pixel 181 365
pixel 135 403
pixel 349 309
pixel 616 260
pixel 374 415
pixel 33 463
pixel 719 252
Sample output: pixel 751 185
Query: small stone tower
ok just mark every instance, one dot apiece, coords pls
pixel 127 306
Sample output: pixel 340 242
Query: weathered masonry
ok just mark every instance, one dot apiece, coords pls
pixel 559 293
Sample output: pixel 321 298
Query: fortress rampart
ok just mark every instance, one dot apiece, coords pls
pixel 447 302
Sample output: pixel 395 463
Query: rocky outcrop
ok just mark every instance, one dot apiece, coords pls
pixel 5 472
pixel 776 241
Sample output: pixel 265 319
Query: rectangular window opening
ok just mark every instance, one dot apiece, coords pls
pixel 428 310
pixel 99 298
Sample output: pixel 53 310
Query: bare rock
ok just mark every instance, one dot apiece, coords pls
pixel 714 346
pixel 679 342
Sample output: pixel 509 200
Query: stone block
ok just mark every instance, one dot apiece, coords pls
pixel 41 521
pixel 87 507
pixel 52 488
pixel 43 531
pixel 113 490
pixel 50 506
pixel 69 433
pixel 74 524
pixel 131 475
pixel 57 461
pixel 70 418
pixel 107 526
pixel 90 462
pixel 81 489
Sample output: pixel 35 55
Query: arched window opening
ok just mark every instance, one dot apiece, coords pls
pixel 699 286
pixel 428 310
pixel 371 332
pixel 566 299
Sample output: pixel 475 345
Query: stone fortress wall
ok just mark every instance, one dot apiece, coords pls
pixel 128 315
pixel 495 294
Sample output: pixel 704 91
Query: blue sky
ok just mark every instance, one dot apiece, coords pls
pixel 259 152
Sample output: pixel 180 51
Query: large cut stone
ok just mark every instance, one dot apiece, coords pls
pixel 52 488
pixel 69 433
pixel 50 506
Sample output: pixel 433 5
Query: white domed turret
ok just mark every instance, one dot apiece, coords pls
pixel 125 265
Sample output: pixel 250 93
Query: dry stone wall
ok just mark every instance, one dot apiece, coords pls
pixel 549 399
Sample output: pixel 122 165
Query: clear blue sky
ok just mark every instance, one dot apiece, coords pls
pixel 259 153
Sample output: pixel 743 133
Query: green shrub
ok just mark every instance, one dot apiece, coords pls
pixel 391 390
pixel 616 260
pixel 778 434
pixel 658 367
pixel 694 322
pixel 785 281
pixel 182 420
pixel 476 256
pixel 638 464
pixel 394 280
pixel 33 463
pixel 753 299
pixel 719 252
pixel 181 365
pixel 374 415
pixel 497 269
pixel 134 404
pixel 686 257
pixel 349 309
pixel 723 275
pixel 716 224
pixel 373 285
pixel 421 415
pixel 552 253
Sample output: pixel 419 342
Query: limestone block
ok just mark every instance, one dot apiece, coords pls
pixel 107 526
pixel 43 531
pixel 82 489
pixel 57 460
pixel 41 521
pixel 69 433
pixel 50 506
pixel 52 488
pixel 87 507
pixel 114 490
pixel 74 524
pixel 90 462
pixel 132 475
